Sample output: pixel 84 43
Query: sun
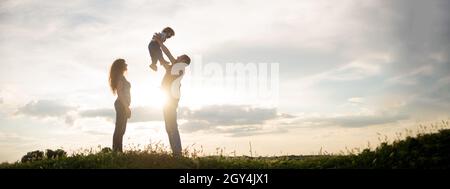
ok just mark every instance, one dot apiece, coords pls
pixel 150 96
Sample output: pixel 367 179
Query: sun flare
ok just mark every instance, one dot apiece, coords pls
pixel 149 96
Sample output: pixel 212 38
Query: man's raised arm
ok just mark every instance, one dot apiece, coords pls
pixel 165 49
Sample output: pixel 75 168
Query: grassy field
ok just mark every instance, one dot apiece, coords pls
pixel 423 151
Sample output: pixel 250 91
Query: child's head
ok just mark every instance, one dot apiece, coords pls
pixel 169 32
pixel 184 59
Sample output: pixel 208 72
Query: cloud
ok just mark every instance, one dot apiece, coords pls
pixel 412 77
pixel 435 98
pixel 336 45
pixel 95 132
pixel 354 120
pixel 356 100
pixel 70 119
pixel 195 125
pixel 14 138
pixel 231 130
pixel 236 120
pixel 205 118
pixel 138 114
pixel 45 108
pixel 362 121
pixel 230 114
pixel 252 131
pixel 374 40
pixel 101 112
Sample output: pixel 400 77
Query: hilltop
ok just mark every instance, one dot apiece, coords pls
pixel 429 151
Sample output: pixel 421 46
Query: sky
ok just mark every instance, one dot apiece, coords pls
pixel 316 75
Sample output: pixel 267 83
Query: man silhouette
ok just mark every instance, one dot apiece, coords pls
pixel 171 86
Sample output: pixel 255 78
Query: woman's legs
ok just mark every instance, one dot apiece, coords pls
pixel 121 124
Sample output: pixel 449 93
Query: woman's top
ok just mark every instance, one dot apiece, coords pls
pixel 123 91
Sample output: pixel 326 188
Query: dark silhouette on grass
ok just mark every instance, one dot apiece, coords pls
pixel 39 155
pixel 33 156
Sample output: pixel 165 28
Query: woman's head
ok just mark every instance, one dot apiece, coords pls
pixel 117 70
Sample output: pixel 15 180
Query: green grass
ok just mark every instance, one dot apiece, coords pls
pixel 424 151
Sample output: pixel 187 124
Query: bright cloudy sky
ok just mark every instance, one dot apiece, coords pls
pixel 347 70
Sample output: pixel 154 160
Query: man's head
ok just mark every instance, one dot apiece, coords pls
pixel 169 32
pixel 184 59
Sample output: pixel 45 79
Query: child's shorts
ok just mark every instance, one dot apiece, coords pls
pixel 155 51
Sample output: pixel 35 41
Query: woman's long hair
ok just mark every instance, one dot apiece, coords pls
pixel 115 73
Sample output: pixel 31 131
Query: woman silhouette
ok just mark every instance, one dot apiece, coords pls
pixel 120 86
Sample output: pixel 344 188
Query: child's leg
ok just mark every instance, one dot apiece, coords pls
pixel 155 54
pixel 153 64
pixel 154 61
pixel 152 56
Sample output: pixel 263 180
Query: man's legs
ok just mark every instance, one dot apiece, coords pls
pixel 170 117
